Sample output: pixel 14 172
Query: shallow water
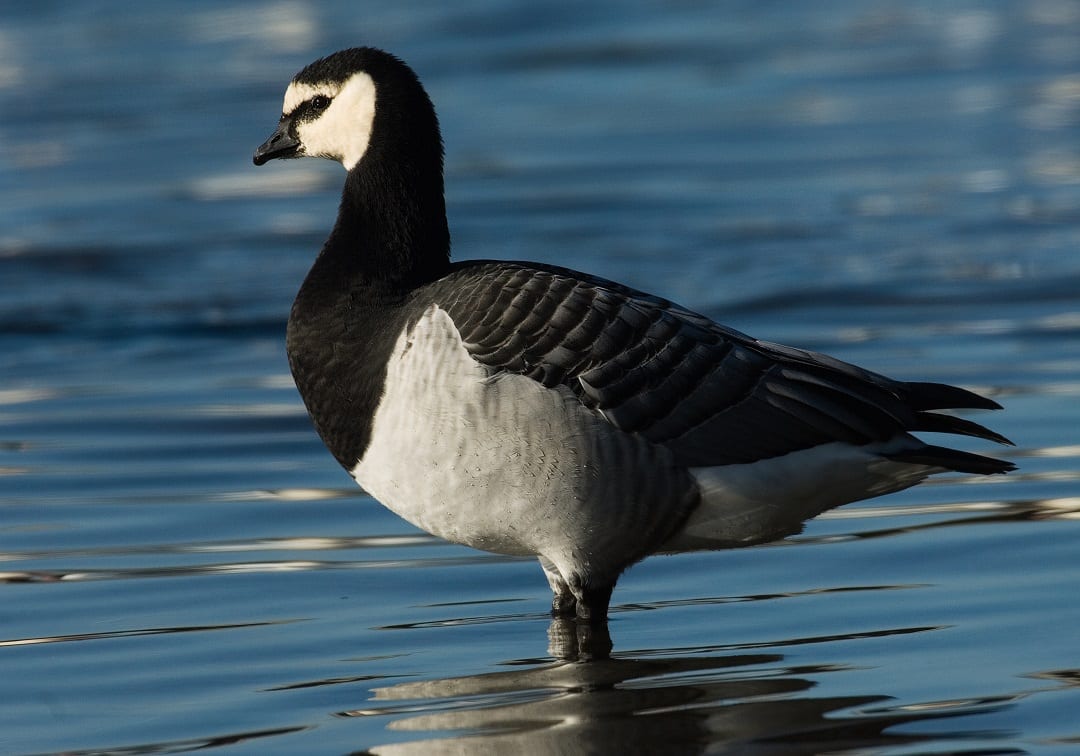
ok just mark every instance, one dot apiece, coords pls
pixel 184 567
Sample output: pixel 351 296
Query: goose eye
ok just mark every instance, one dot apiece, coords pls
pixel 320 102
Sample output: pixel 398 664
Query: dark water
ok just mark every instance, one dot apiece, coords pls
pixel 184 566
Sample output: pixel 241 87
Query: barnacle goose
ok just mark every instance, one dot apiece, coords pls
pixel 529 409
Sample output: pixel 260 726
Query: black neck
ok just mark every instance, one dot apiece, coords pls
pixel 390 238
pixel 391 229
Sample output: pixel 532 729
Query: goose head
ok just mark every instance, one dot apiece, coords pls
pixel 343 106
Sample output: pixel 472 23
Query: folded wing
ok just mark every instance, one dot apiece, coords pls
pixel 712 395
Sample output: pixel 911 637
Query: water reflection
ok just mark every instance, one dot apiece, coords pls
pixel 192 744
pixel 681 703
pixel 144 631
pixel 964 514
pixel 571 640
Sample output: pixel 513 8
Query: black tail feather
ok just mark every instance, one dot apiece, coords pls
pixel 935 423
pixel 953 459
pixel 930 396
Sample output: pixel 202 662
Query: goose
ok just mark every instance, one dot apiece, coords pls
pixel 534 410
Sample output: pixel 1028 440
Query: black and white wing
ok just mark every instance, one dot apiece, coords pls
pixel 712 395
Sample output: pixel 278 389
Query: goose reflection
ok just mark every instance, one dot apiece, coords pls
pixel 692 701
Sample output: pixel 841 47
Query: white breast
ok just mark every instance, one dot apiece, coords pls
pixel 468 458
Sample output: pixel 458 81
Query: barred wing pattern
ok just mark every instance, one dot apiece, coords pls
pixel 710 394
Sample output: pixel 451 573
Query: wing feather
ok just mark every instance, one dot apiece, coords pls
pixel 709 393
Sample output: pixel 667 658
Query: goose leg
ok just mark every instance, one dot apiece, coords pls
pixel 584 599
pixel 592 603
pixel 563 603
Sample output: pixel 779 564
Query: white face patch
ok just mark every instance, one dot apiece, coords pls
pixel 343 130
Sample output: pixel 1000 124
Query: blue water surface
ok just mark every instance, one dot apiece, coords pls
pixel 183 565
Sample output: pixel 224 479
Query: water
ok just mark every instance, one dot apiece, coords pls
pixel 184 566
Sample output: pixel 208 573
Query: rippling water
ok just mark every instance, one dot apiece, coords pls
pixel 184 566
